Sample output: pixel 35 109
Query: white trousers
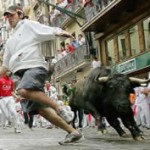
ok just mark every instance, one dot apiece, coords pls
pixel 7 106
pixel 142 113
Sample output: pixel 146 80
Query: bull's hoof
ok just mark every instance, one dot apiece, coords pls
pixel 104 131
pixel 140 138
pixel 141 134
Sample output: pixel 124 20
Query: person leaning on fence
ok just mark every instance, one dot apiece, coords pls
pixel 95 62
pixel 23 57
pixel 81 40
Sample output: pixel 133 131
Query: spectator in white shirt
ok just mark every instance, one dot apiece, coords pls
pixel 95 63
pixel 59 54
pixel 53 93
pixel 81 39
pixel 53 60
pixel 63 52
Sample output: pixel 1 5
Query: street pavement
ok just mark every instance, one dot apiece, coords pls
pixel 47 139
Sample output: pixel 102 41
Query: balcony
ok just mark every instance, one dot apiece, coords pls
pixel 61 19
pixel 72 62
pixel 111 14
pixel 91 9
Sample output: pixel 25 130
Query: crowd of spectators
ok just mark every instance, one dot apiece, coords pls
pixel 70 47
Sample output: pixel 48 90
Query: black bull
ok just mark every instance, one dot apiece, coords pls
pixel 104 94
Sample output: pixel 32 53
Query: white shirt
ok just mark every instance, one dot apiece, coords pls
pixel 59 56
pixel 23 48
pixel 64 53
pixel 53 93
pixel 54 61
pixel 96 64
pixel 81 41
pixel 140 97
pixel 148 96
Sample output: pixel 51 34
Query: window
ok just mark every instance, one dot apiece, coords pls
pixel 146 26
pixel 110 52
pixel 122 46
pixel 134 40
pixel 126 43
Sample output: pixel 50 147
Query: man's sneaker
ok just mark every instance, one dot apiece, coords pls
pixel 66 114
pixel 72 138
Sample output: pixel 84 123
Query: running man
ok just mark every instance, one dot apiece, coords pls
pixel 23 57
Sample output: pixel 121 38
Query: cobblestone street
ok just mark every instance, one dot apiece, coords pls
pixel 47 139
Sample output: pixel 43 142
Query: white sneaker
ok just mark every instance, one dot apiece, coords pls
pixel 72 138
pixel 66 114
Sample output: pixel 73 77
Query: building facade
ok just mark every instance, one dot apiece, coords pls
pixel 122 29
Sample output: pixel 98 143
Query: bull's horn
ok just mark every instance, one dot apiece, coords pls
pixel 103 79
pixel 139 80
